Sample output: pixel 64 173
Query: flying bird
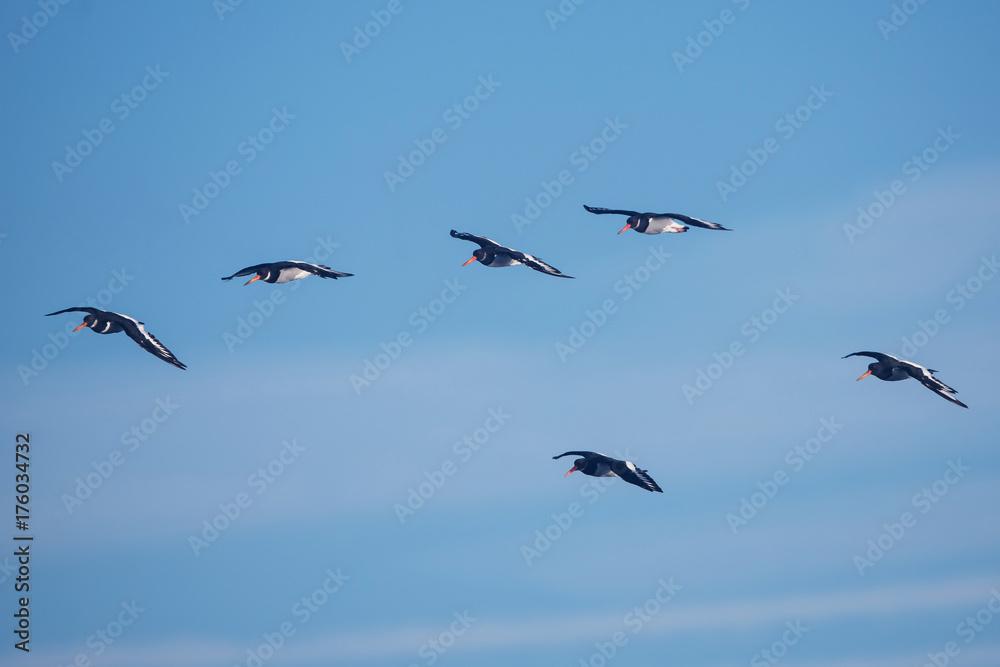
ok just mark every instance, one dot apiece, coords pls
pixel 491 253
pixel 657 223
pixel 286 272
pixel 596 464
pixel 891 369
pixel 105 322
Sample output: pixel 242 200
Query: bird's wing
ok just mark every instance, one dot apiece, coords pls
pixel 694 222
pixel 533 262
pixel 923 375
pixel 633 475
pixel 583 454
pixel 320 270
pixel 92 311
pixel 601 211
pixel 483 242
pixel 147 341
pixel 250 270
pixel 882 358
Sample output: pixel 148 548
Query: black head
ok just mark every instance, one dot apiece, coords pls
pixel 263 274
pixel 477 254
pixel 88 321
pixel 878 370
pixel 631 223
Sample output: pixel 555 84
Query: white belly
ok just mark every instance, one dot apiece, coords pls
pixel 288 275
pixel 503 260
pixel 661 225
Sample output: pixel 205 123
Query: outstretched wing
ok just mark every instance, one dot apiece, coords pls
pixel 633 475
pixel 923 375
pixel 483 242
pixel 320 270
pixel 249 271
pixel 878 356
pixel 601 211
pixel 92 311
pixel 583 454
pixel 695 222
pixel 147 341
pixel 533 262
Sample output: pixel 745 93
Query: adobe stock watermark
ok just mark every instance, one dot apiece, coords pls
pixel 794 631
pixel 122 107
pixel 30 25
pixel 698 43
pixel 898 17
pixel 259 481
pixel 634 621
pixel 249 149
pixel 968 630
pixel 263 310
pixel 454 116
pixel 223 7
pixel 303 610
pixel 627 286
pixel 963 292
pixel 752 329
pixel 562 12
pixel 419 320
pixel 60 338
pixel 796 459
pixel 925 500
pixel 593 489
pixel 786 127
pixel 913 169
pixel 581 158
pixel 103 638
pixel 464 449
pixel 435 647
pixel 131 440
pixel 362 38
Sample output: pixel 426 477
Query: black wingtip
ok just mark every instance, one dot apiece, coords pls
pixel 454 233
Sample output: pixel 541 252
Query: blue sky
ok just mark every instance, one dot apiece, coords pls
pixel 417 517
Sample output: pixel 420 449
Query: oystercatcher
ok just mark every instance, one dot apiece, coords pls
pixel 105 322
pixel 596 464
pixel 286 272
pixel 491 253
pixel 657 223
pixel 891 369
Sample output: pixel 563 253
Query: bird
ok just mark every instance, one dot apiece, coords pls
pixel 286 272
pixel 491 253
pixel 106 322
pixel 657 223
pixel 889 368
pixel 596 464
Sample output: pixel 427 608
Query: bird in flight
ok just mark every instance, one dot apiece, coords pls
pixel 105 322
pixel 596 464
pixel 491 253
pixel 286 272
pixel 657 223
pixel 889 368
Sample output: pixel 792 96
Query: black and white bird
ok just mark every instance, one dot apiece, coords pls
pixel 596 464
pixel 105 322
pixel 889 368
pixel 286 272
pixel 657 223
pixel 491 253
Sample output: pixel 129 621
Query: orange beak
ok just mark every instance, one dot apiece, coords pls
pixel 80 327
pixel 573 469
pixel 625 227
pixel 257 277
pixel 470 261
pixel 864 376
